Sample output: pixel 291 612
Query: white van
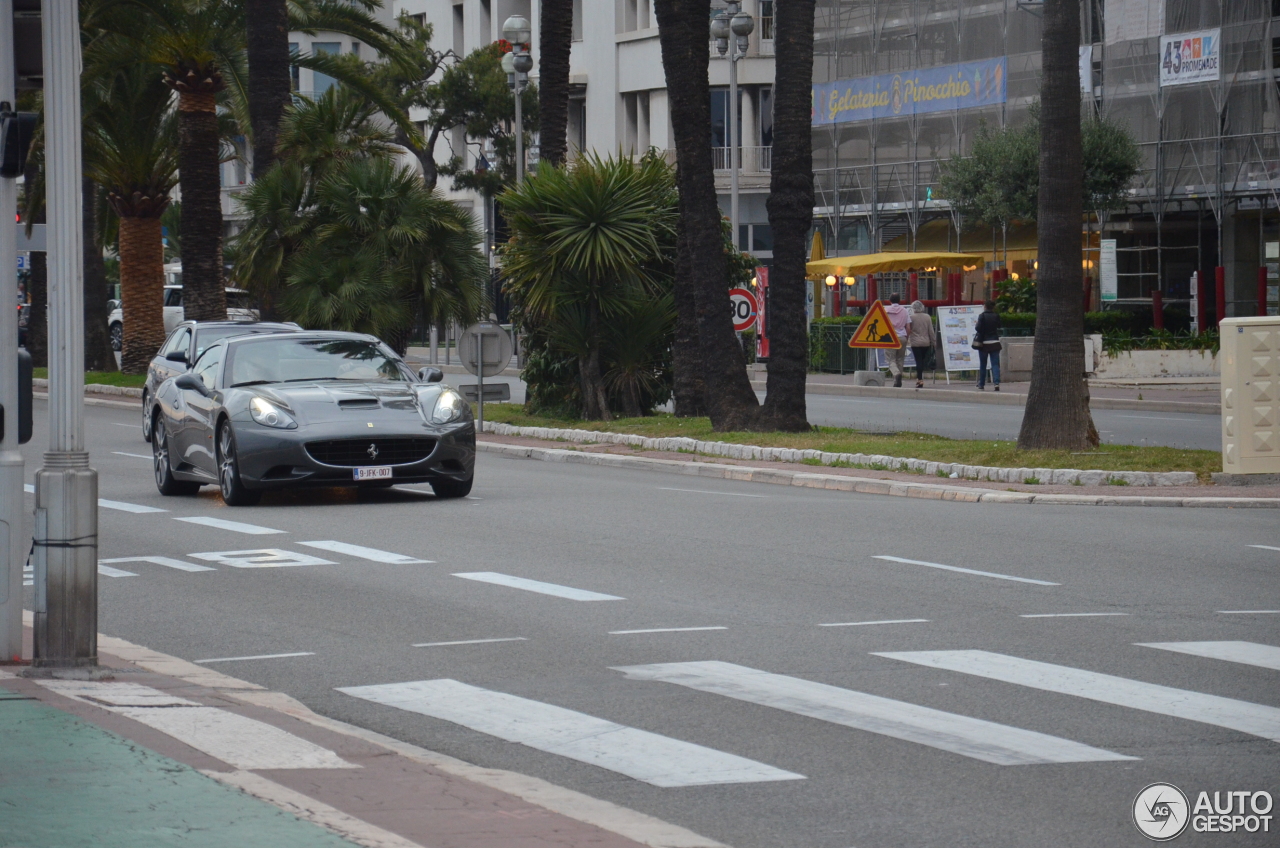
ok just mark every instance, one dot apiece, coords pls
pixel 239 306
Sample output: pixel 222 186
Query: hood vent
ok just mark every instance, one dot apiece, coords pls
pixel 358 403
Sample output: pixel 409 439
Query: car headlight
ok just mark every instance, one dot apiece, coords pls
pixel 268 414
pixel 448 407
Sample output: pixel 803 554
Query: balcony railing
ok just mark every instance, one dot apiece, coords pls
pixel 751 160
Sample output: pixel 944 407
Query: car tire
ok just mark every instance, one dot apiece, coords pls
pixel 162 463
pixel 117 337
pixel 234 491
pixel 452 488
pixel 148 415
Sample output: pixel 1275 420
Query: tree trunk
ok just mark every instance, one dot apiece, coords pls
pixel 684 30
pixel 790 207
pixel 98 355
pixel 203 296
pixel 38 313
pixel 270 89
pixel 1057 412
pixel 141 292
pixel 555 41
pixel 595 399
pixel 689 392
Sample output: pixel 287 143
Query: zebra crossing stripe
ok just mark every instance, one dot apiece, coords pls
pixel 1246 653
pixel 1242 716
pixel 648 757
pixel 969 737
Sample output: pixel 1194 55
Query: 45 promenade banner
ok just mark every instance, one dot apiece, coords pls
pixel 962 86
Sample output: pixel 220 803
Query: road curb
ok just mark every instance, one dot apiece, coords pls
pixel 861 485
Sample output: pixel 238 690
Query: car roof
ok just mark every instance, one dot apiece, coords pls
pixel 265 326
pixel 306 334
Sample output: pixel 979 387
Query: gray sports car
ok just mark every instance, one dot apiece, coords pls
pixel 308 409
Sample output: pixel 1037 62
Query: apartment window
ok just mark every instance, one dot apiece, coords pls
pixel 766 116
pixel 636 15
pixel 720 117
pixel 766 20
pixel 420 19
pixel 323 82
pixel 577 125
pixel 486 21
pixel 459 44
pixel 355 49
pixel 577 20
pixel 294 49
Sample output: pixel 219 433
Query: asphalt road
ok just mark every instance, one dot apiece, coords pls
pixel 785 751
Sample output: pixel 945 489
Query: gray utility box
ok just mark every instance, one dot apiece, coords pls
pixel 1015 356
pixel 1250 358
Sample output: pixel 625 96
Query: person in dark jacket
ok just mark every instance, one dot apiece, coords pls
pixel 987 340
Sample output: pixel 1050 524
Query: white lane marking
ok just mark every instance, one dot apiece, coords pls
pixel 235 739
pixel 159 560
pixel 137 509
pixel 108 571
pixel 1150 418
pixel 886 621
pixel 1266 547
pixel 224 524
pixel 470 642
pixel 261 558
pixel 664 630
pixel 134 455
pixel 1068 614
pixel 705 492
pixel 118 424
pixel 969 737
pixel 1246 653
pixel 537 586
pixel 259 657
pixel 967 570
pixel 372 554
pixel 1248 612
pixel 1245 717
pixel 648 757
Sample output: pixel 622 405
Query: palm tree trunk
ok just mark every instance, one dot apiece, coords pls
pixel 595 398
pixel 267 24
pixel 141 292
pixel 688 390
pixel 1057 412
pixel 98 355
pixel 203 297
pixel 790 207
pixel 38 313
pixel 684 30
pixel 555 42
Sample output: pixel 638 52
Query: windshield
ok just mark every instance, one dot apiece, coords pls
pixel 206 337
pixel 294 360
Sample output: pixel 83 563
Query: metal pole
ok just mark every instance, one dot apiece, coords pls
pixel 66 541
pixel 12 548
pixel 519 134
pixel 733 139
pixel 480 380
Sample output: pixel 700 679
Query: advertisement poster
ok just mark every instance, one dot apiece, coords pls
pixel 956 325
pixel 1190 57
pixel 1107 275
pixel 941 89
pixel 762 318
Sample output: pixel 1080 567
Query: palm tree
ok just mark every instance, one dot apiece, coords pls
pixel 684 31
pixel 270 86
pixel 587 242
pixel 790 207
pixel 554 43
pixel 132 154
pixel 1057 412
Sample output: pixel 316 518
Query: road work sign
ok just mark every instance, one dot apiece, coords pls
pixel 876 330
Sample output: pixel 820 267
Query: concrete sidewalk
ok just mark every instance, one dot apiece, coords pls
pixel 155 750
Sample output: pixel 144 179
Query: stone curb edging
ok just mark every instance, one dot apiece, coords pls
pixel 1048 476
pixel 96 388
pixel 864 485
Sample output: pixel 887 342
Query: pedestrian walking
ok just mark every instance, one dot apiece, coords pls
pixel 922 338
pixel 986 340
pixel 900 318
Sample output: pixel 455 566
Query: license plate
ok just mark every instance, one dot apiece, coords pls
pixel 373 472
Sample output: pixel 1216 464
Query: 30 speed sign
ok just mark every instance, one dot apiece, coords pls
pixel 744 309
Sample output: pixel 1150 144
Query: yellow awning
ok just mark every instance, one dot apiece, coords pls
pixel 879 263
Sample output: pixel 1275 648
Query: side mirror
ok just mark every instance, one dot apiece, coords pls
pixel 191 383
pixel 430 375
pixel 177 356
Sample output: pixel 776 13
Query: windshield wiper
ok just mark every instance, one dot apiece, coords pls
pixel 251 383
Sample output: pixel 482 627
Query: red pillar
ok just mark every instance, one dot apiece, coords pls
pixel 1262 291
pixel 913 291
pixel 1088 292
pixel 873 293
pixel 837 298
pixel 1157 310
pixel 1220 292
pixel 1202 296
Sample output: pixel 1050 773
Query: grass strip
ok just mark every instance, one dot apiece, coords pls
pixel 102 378
pixel 1001 454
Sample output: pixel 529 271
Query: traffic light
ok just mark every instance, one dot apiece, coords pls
pixel 24 399
pixel 16 130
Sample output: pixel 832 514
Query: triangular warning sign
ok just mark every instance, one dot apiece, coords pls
pixel 876 330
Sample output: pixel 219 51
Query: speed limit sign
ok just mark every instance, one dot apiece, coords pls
pixel 744 309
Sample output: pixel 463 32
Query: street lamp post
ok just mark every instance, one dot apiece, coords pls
pixel 737 23
pixel 516 30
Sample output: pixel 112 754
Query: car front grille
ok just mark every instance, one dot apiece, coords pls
pixel 357 452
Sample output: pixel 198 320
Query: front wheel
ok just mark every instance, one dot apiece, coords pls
pixel 117 337
pixel 452 488
pixel 234 492
pixel 165 481
pixel 146 418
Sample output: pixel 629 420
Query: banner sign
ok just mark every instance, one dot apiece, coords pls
pixel 938 89
pixel 1191 57
pixel 1108 276
pixel 956 325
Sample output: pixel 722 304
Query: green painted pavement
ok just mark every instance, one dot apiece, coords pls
pixel 65 783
